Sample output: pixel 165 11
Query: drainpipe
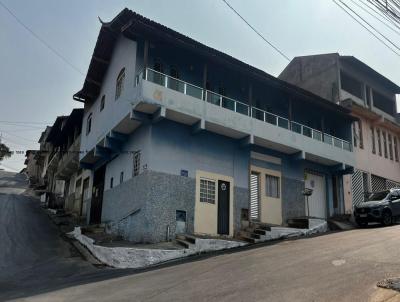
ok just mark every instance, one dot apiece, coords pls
pixel 145 56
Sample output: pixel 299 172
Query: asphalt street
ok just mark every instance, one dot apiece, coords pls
pixel 37 265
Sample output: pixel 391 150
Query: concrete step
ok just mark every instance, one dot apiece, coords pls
pixel 247 239
pixel 189 238
pixel 183 243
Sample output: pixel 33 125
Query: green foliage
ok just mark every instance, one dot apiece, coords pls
pixel 4 151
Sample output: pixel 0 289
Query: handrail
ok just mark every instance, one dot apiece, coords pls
pixel 266 116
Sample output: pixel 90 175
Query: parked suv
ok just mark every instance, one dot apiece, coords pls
pixel 378 207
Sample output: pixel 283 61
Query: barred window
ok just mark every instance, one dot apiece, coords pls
pixel 119 87
pixel 207 190
pixel 384 144
pixel 136 163
pixel 272 188
pixel 378 134
pixel 373 140
pixel 396 150
pixel 390 147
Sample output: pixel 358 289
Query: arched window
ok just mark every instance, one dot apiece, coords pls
pixel 89 124
pixel 119 87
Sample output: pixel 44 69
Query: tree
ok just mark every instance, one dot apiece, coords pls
pixel 4 151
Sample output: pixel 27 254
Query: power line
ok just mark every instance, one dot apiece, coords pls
pixel 383 36
pixel 375 17
pixel 370 31
pixel 40 39
pixel 17 136
pixel 24 122
pixel 257 32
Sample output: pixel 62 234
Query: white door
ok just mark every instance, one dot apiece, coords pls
pixel 317 201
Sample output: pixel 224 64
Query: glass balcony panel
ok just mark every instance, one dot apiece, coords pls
pixel 228 104
pixel 176 85
pixel 194 91
pixel 213 98
pixel 337 142
pixel 328 139
pixel 346 146
pixel 258 114
pixel 317 135
pixel 242 108
pixel 155 77
pixel 296 127
pixel 283 123
pixel 307 131
pixel 270 118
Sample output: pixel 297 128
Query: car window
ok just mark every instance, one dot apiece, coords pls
pixel 377 195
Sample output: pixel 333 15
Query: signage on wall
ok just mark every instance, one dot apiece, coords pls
pixel 185 173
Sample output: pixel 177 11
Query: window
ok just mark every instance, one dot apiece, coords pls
pixel 119 87
pixel 351 85
pixel 357 134
pixel 368 96
pixel 136 163
pixel 384 144
pixel 89 124
pixel 378 134
pixel 383 103
pixel 207 190
pixel 272 186
pixel 102 102
pixel 121 177
pixel 396 150
pixel 373 140
pixel 390 147
pixel 111 182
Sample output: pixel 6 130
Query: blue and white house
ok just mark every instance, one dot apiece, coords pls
pixel 182 138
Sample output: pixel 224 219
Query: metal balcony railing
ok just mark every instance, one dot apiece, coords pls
pixel 242 108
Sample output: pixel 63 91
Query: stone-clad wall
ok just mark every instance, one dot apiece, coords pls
pixel 292 199
pixel 158 196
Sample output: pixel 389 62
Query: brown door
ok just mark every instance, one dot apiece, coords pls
pixel 97 195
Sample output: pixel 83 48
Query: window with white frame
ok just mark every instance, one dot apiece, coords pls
pixel 207 190
pixel 136 163
pixel 272 186
pixel 119 87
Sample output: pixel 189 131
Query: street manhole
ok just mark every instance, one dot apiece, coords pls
pixel 390 283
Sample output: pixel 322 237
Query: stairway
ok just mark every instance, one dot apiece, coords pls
pixel 185 240
pixel 256 232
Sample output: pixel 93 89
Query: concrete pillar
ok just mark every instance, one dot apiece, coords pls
pixel 205 70
pixel 145 55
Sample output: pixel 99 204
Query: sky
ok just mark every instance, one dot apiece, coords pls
pixel 36 85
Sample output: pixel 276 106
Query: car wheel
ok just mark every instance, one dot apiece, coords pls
pixel 386 218
pixel 362 224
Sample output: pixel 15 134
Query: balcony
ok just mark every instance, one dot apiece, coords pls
pixel 193 105
pixel 69 160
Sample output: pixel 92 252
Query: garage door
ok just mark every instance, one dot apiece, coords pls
pixel 317 201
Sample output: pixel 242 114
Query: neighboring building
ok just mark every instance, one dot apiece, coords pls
pixel 182 138
pixel 372 100
pixel 59 164
pixel 32 168
pixel 41 157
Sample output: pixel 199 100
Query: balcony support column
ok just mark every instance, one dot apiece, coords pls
pixel 205 70
pixel 145 56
